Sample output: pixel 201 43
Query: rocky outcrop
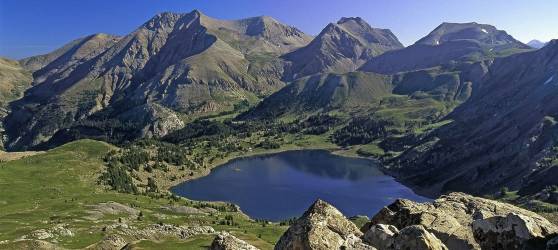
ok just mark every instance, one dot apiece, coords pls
pixel 381 236
pixel 513 231
pixel 109 243
pixel 417 238
pixel 226 241
pixel 454 221
pixel 51 233
pixel 452 217
pixel 322 227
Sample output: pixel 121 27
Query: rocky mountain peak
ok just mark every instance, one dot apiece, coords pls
pixel 341 47
pixel 483 33
pixel 166 19
pixel 361 29
pixel 174 61
pixel 269 27
pixel 350 19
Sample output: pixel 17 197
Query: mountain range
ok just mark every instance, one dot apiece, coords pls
pixel 466 108
pixel 504 135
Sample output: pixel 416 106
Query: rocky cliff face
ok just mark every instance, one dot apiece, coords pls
pixel 185 63
pixel 454 221
pixel 340 48
pixel 505 135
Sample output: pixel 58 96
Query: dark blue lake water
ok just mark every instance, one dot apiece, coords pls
pixel 284 185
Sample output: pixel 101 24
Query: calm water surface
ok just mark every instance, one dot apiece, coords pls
pixel 283 185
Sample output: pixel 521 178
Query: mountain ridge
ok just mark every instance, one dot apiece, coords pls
pixel 506 132
pixel 447 43
pixel 172 60
pixel 340 48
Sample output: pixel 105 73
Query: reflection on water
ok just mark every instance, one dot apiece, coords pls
pixel 321 163
pixel 283 185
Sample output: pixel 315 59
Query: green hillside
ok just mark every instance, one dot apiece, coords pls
pixel 59 189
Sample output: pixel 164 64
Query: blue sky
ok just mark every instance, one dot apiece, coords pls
pixel 31 27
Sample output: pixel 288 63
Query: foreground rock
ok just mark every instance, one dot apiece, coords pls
pixel 322 227
pixel 454 221
pixel 417 238
pixel 226 241
pixel 452 217
pixel 512 231
pixel 381 236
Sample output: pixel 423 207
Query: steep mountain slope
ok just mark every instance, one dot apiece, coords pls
pixel 340 48
pixel 63 60
pixel 505 135
pixel 359 91
pixel 448 43
pixel 186 63
pixel 324 92
pixel 14 80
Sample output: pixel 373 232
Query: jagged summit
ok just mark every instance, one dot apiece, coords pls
pixel 361 29
pixel 175 62
pixel 341 47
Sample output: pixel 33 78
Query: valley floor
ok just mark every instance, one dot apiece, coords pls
pixel 55 198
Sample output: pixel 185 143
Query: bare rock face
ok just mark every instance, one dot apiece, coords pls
pixel 417 238
pixel 453 221
pixel 381 236
pixel 512 231
pixel 226 241
pixel 451 218
pixel 322 227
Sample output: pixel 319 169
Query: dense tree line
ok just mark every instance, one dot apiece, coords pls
pixel 173 154
pixel 361 130
pixel 118 178
pixel 319 124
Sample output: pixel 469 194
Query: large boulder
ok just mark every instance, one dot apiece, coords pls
pixel 512 231
pixel 381 236
pixel 226 241
pixel 450 217
pixel 322 227
pixel 388 237
pixel 416 238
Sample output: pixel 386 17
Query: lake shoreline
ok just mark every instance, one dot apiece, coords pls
pixel 336 152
